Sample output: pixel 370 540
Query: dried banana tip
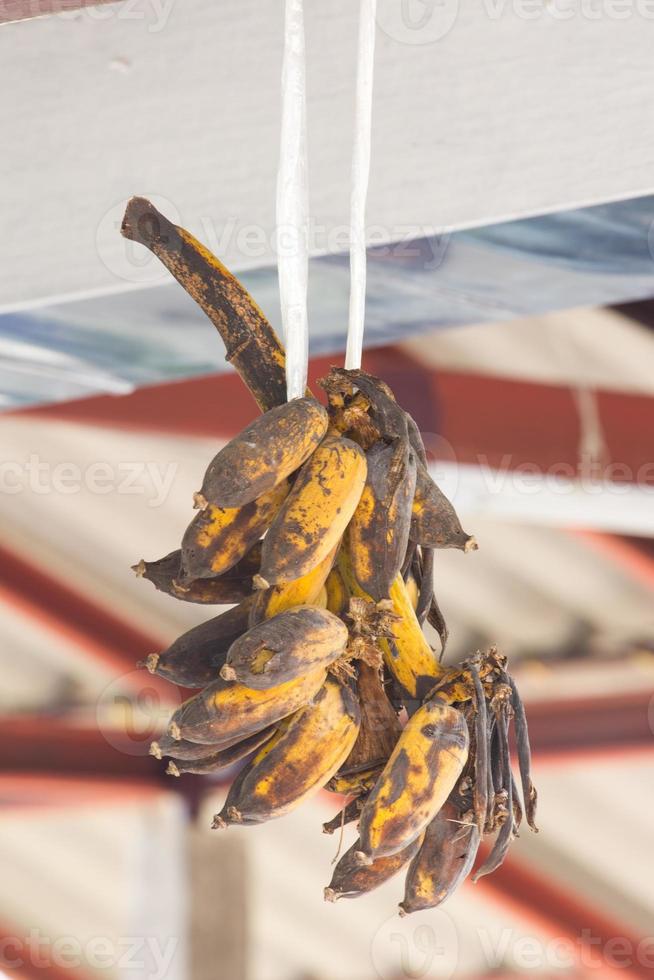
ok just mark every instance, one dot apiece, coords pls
pixel 258 582
pixel 227 673
pixel 174 731
pixel 172 769
pixel 200 502
pixel 155 750
pixel 331 895
pixel 471 544
pixel 362 858
pixel 150 662
pixel 218 823
pixel 139 568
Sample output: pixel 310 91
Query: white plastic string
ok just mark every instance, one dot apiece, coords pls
pixel 293 204
pixel 360 173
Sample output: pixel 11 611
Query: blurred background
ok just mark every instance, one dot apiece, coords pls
pixel 511 309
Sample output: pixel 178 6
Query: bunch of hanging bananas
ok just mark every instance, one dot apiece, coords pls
pixel 320 525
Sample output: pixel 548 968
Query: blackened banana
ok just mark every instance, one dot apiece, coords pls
pixel 220 759
pixel 352 879
pixel 217 538
pixel 226 712
pixel 232 586
pixel 197 656
pixel 378 533
pixel 291 644
pixel 297 762
pixel 434 522
pixel 444 860
pixel 264 453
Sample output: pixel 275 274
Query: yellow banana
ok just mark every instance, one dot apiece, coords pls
pixel 321 599
pixel 265 453
pixel 316 512
pixel 299 762
pixel 417 779
pixel 338 596
pixel 378 533
pixel 408 656
pixel 302 591
pixel 217 538
pixel 412 590
pixel 225 712
pixel 352 879
pixel 444 860
pixel 291 644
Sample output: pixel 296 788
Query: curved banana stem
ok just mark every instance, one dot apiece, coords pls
pixel 252 345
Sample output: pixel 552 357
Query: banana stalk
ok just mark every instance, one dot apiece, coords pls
pixel 252 345
pixel 406 653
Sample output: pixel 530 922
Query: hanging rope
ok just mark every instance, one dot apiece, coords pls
pixel 360 174
pixel 293 198
pixel 293 204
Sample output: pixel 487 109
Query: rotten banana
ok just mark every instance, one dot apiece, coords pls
pixel 316 512
pixel 226 712
pixel 378 533
pixel 297 762
pixel 444 860
pixel 217 538
pixel 291 644
pixel 419 776
pixel 264 453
